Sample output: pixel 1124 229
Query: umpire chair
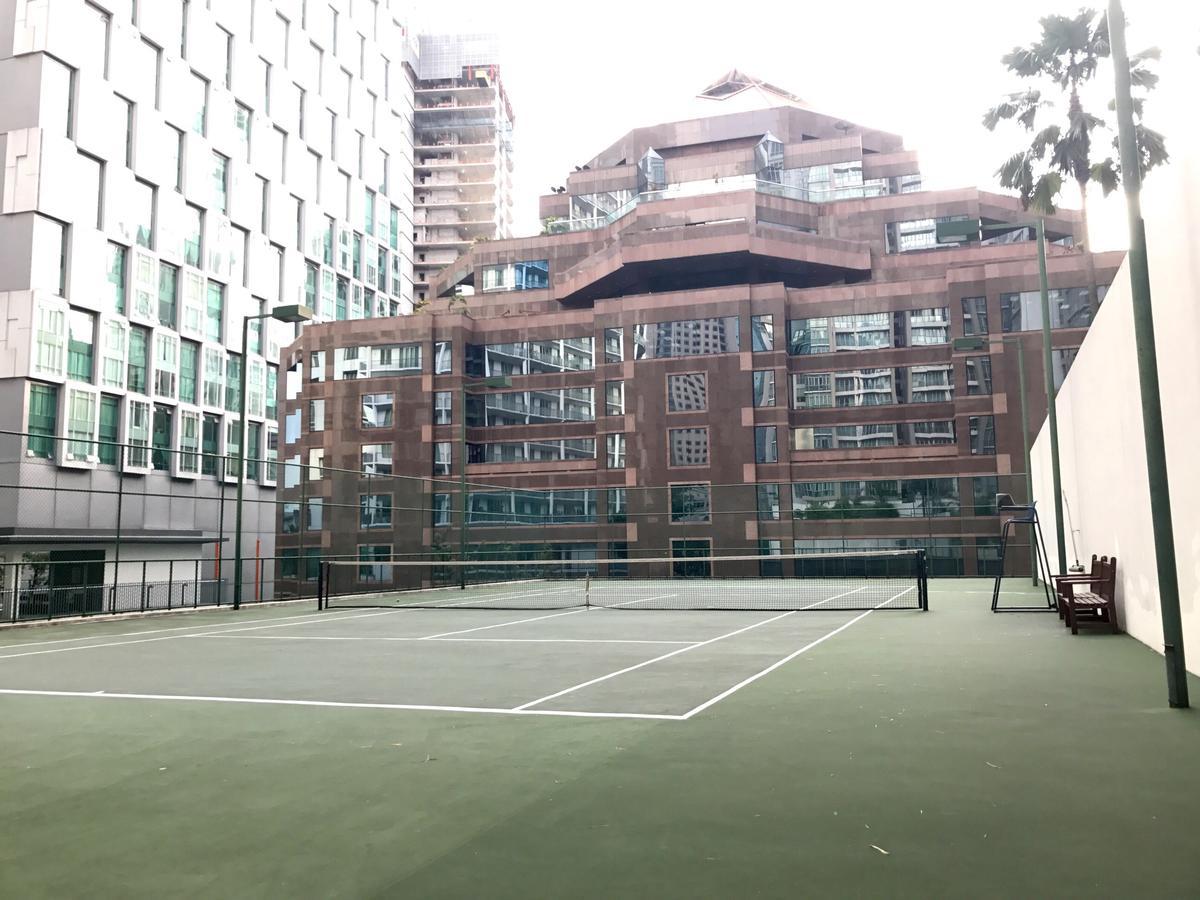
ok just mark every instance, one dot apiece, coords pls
pixel 1021 515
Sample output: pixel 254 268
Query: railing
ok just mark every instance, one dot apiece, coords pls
pixel 24 599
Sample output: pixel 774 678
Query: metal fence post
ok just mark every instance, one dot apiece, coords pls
pixel 143 588
pixel 117 538
pixel 16 609
pixel 171 582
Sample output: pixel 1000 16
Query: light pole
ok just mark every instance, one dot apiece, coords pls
pixel 979 343
pixel 964 230
pixel 293 313
pixel 496 381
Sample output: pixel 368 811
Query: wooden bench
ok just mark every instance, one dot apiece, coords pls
pixel 1094 596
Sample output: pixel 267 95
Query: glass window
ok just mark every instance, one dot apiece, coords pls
pixel 442 362
pixel 443 402
pixel 687 393
pixel 766 444
pixel 377 411
pixel 272 405
pixel 94 25
pixel 214 377
pixel 50 339
pixel 1069 308
pixel 377 459
pixel 1062 360
pixel 233 383
pixel 881 499
pixel 109 432
pixel 550 450
pixel 58 98
pixel 160 438
pixel 147 66
pixel 614 398
pixel 189 375
pixel 49 256
pixel 442 458
pixel 375 511
pixel 764 388
pixel 440 506
pixel 137 434
pixel 290 519
pixel 127 120
pixel 195 97
pixel 81 340
pixel 617 505
pixel 615 451
pixel 117 256
pixel 114 338
pixel 241 121
pixel 689 446
pixel 689 503
pixel 982 431
pixel 614 345
pixel 762 333
pixel 139 359
pixel 369 570
pixel 220 183
pixel 975 317
pixel 43 419
pixel 214 316
pixel 168 294
pixel 210 444
pixel 979 375
pixel 175 143
pixel 531 357
pixel 874 436
pixel 91 185
pixel 193 235
pixel 690 337
pixel 314 515
pixel 767 496
pixel 143 200
pixel 166 364
pixel 519 276
pixel 983 494
pixel 316 415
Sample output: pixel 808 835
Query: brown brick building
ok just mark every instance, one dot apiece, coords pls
pixel 734 335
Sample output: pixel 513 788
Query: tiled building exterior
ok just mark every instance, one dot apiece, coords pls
pixel 735 336
pixel 168 168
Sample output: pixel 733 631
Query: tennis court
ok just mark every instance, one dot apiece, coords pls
pixel 589 751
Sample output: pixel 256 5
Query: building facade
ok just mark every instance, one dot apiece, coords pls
pixel 735 336
pixel 170 168
pixel 462 127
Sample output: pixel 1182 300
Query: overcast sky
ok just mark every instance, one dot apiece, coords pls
pixel 582 74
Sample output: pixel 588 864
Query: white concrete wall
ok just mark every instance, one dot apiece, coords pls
pixel 1100 414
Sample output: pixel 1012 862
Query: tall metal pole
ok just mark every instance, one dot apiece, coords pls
pixel 1147 358
pixel 241 473
pixel 462 487
pixel 1033 560
pixel 1051 409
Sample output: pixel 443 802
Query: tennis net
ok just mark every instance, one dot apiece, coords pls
pixel 846 581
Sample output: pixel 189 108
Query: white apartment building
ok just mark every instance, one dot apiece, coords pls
pixel 170 167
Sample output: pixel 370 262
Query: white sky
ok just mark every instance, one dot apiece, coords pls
pixel 580 75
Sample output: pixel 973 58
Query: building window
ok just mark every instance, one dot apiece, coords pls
pixel 377 459
pixel 982 431
pixel 767 496
pixel 689 446
pixel 189 375
pixel 443 402
pixel 210 445
pixel 220 183
pixel 43 419
pixel 375 511
pixel 618 509
pixel 687 393
pixel 377 410
pixel 50 339
pixel 975 317
pixel 370 569
pixel 81 341
pixel 196 98
pixel 137 436
pixel 870 437
pixel 117 256
pixel 690 503
pixel 531 357
pixel 143 204
pixel 762 333
pixel 193 235
pixel 1069 308
pixel 214 315
pixel 290 519
pixel 241 121
pixel 91 184
pixel 127 108
pixel 614 398
pixel 58 98
pixel 109 431
pixel 519 276
pixel 615 451
pixel 166 364
pixel 114 338
pixel 979 375
pixel 440 507
pixel 139 359
pixel 160 438
pixel 691 337
pixel 95 26
pixel 168 294
pixel 549 450
pixel 442 458
pixel 314 515
pixel 316 416
pixel 614 345
pixel 442 358
pixel 49 255
pixel 233 383
pixel 764 388
pixel 766 444
pixel 691 558
pixel 213 389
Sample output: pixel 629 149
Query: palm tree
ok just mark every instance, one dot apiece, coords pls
pixel 1068 55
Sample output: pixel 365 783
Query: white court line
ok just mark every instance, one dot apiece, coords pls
pixel 680 650
pixel 775 665
pixel 569 612
pixel 96 637
pixel 337 704
pixel 440 640
pixel 171 637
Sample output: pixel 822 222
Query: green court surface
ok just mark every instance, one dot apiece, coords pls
pixel 281 752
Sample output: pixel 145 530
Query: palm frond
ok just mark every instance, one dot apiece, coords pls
pixel 1022 106
pixel 1016 174
pixel 1044 140
pixel 1029 62
pixel 1106 175
pixel 1045 191
pixel 1152 147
